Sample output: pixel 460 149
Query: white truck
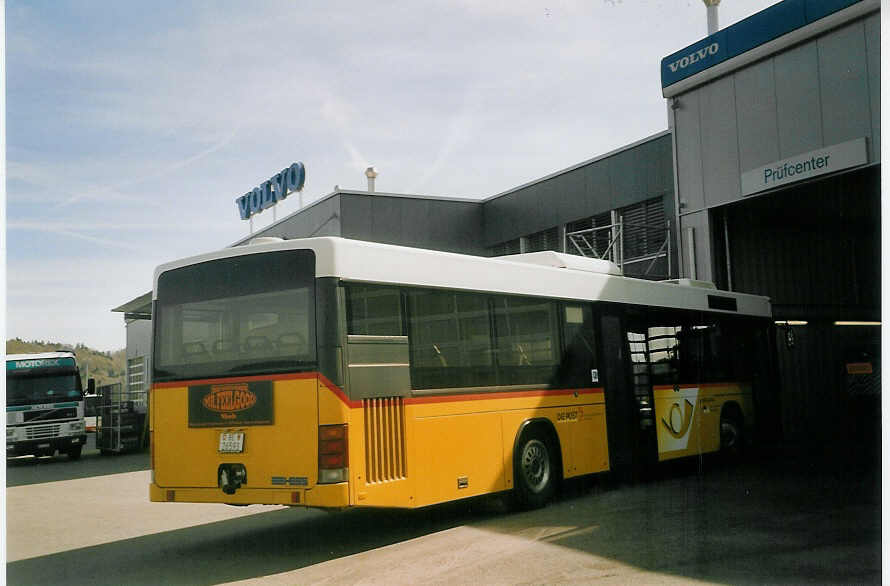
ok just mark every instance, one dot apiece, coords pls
pixel 44 405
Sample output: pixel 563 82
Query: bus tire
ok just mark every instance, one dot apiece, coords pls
pixel 534 470
pixel 731 433
pixel 74 452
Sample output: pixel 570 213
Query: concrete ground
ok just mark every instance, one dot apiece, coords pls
pixel 778 520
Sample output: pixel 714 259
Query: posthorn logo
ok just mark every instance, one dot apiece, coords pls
pixel 694 57
pixel 677 423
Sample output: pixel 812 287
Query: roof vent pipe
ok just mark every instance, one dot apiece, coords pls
pixel 713 25
pixel 371 174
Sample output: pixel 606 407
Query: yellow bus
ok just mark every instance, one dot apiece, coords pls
pixel 332 373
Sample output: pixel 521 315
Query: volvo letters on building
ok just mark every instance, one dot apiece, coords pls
pixel 44 405
pixel 330 373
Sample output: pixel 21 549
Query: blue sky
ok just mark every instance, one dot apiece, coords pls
pixel 132 126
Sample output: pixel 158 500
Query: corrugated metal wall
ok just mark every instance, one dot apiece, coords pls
pixel 815 250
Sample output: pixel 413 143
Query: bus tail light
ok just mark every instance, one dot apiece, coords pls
pixel 333 454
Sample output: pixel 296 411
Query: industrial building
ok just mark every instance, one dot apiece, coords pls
pixel 766 181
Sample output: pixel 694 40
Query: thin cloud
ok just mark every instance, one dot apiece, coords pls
pixel 120 244
pixel 37 176
pixel 340 114
pixel 109 225
pixel 460 131
pixel 166 170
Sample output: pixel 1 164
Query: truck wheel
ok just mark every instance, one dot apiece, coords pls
pixel 74 452
pixel 533 470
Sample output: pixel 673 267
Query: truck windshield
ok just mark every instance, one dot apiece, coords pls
pixel 245 315
pixel 38 389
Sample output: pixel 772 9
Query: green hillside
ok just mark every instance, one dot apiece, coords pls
pixel 105 367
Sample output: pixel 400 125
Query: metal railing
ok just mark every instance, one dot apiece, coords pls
pixel 590 243
pixel 120 418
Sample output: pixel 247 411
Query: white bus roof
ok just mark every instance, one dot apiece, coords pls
pixel 546 274
pixel 41 355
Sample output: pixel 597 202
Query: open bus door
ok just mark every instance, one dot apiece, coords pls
pixel 629 402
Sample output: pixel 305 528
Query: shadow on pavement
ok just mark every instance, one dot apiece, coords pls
pixel 30 470
pixel 247 547
pixel 779 520
pixel 784 519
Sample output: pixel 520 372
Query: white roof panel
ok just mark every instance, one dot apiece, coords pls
pixel 553 275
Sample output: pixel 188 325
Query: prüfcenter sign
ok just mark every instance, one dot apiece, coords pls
pixel 270 192
pixel 805 166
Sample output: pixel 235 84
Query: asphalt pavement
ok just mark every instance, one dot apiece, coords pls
pixel 778 519
pixel 30 470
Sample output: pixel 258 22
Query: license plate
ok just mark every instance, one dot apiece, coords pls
pixel 231 442
pixel 42 445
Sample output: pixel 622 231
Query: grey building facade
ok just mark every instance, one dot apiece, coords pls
pixel 449 224
pixel 777 137
pixel 576 210
pixel 618 206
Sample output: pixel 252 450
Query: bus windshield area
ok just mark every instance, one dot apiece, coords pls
pixel 251 314
pixel 39 389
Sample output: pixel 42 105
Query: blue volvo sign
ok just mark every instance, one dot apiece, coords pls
pixel 270 192
pixel 756 30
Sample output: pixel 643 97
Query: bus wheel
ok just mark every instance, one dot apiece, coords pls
pixel 534 471
pixel 731 439
pixel 74 452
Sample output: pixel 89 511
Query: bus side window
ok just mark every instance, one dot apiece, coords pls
pixel 526 340
pixel 740 347
pixel 665 353
pixel 373 311
pixel 450 339
pixel 655 343
pixel 708 351
pixel 577 367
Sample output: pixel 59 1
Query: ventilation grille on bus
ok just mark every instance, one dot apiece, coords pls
pixel 384 439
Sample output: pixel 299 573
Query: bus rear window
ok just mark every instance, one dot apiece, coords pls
pixel 251 314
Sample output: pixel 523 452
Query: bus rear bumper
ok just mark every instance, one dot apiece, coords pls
pixel 328 496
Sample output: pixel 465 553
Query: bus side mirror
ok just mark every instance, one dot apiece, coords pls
pixel 91 386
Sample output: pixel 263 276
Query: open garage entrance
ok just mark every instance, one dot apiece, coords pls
pixel 814 249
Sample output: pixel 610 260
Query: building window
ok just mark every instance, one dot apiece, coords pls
pixel 136 374
pixel 136 381
pixel 635 236
pixel 590 236
pixel 544 240
pixel 505 248
pixel 645 229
